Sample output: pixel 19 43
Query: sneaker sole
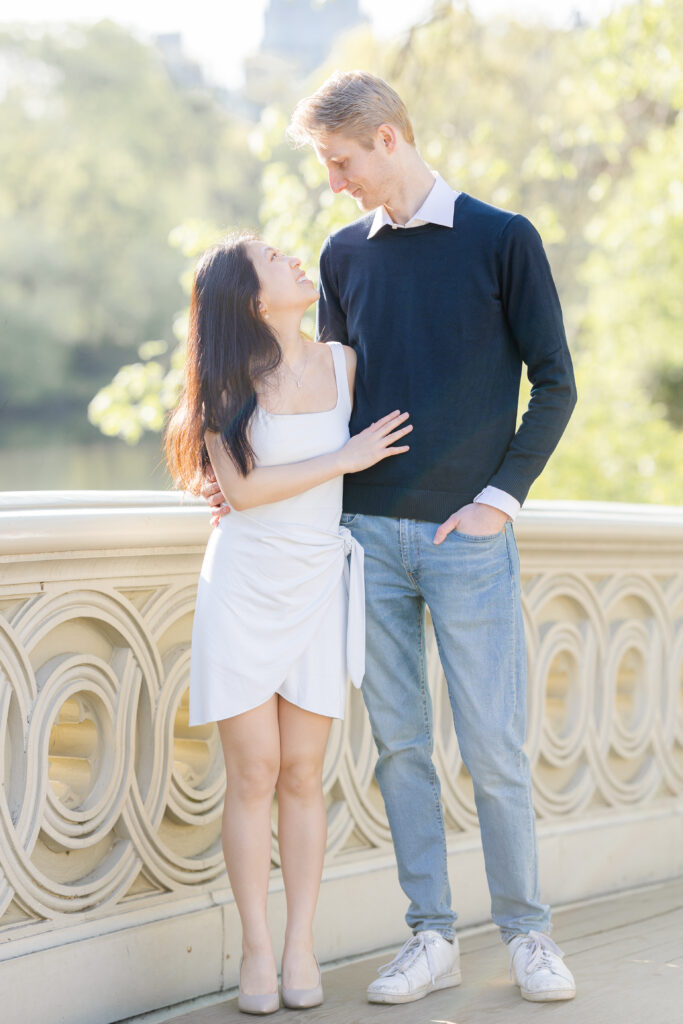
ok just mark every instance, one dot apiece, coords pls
pixel 448 981
pixel 552 996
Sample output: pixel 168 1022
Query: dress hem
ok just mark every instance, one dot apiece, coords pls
pixel 260 703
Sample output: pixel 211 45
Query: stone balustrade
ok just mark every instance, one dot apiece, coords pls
pixel 110 806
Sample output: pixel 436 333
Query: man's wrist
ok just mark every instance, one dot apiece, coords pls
pixel 497 498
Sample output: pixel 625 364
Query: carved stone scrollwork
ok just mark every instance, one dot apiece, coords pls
pixel 108 788
pixel 107 793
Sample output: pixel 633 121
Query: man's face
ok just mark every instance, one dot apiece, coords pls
pixel 361 173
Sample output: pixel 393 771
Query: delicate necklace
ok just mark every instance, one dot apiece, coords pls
pixel 300 378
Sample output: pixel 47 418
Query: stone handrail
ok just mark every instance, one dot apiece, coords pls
pixel 110 804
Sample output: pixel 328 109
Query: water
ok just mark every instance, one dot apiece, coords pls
pixel 101 464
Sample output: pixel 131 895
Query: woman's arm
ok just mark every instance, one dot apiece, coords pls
pixel 265 484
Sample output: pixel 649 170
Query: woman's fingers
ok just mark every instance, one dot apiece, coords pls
pixel 390 438
pixel 389 422
pixel 385 419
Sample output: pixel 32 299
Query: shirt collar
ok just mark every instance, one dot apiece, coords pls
pixel 436 209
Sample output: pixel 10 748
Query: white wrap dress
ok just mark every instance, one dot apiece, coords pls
pixel 280 602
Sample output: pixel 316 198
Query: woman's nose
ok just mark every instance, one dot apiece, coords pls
pixel 294 261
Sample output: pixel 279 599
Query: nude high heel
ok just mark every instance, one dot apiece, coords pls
pixel 262 1003
pixel 303 998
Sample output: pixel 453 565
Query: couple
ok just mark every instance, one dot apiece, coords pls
pixel 430 304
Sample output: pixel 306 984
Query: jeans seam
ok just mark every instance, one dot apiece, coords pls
pixel 531 815
pixel 513 641
pixel 432 769
pixel 409 572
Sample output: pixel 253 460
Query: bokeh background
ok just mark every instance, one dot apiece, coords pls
pixel 134 134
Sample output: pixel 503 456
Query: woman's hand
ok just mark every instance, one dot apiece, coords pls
pixel 211 493
pixel 374 443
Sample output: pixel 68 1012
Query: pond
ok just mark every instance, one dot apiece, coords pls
pixel 102 464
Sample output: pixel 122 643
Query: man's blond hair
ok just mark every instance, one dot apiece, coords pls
pixel 354 103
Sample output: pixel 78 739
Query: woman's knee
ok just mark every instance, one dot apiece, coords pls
pixel 300 777
pixel 253 778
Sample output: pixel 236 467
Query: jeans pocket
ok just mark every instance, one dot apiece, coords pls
pixel 348 517
pixel 474 538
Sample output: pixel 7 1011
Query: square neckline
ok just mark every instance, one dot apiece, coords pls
pixel 317 412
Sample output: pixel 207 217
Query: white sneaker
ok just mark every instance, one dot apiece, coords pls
pixel 537 967
pixel 426 963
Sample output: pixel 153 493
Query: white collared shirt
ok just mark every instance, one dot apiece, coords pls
pixel 438 209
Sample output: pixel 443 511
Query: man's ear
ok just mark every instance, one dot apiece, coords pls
pixel 387 137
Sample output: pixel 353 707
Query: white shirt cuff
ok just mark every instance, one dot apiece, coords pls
pixel 499 499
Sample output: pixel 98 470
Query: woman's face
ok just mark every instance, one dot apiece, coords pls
pixel 284 285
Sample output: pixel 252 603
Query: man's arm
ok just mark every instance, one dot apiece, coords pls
pixel 533 312
pixel 330 324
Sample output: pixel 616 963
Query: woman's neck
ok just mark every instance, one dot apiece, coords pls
pixel 290 339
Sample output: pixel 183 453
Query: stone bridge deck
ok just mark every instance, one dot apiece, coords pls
pixel 626 952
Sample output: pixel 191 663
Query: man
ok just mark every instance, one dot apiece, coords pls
pixel 443 298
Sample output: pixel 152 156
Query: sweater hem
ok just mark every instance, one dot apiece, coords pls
pixel 402 503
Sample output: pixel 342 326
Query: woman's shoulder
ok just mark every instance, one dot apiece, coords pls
pixel 349 353
pixel 350 361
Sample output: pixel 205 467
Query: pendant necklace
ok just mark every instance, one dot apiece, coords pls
pixel 299 380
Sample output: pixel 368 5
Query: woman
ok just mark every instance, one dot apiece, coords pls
pixel 279 619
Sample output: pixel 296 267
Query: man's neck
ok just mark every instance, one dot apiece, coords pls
pixel 410 192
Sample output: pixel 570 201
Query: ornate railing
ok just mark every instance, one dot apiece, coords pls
pixel 110 804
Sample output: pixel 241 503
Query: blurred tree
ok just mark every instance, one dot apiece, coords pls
pixel 580 131
pixel 625 440
pixel 101 154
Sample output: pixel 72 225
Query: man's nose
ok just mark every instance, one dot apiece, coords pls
pixel 337 183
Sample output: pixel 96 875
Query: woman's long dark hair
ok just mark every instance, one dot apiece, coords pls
pixel 229 347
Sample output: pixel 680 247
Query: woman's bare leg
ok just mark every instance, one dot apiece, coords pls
pixel 302 832
pixel 251 748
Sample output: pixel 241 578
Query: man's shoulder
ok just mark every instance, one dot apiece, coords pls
pixel 351 234
pixel 486 215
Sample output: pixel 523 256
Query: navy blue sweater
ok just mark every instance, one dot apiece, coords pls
pixel 442 320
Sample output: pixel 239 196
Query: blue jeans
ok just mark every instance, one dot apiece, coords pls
pixel 471 586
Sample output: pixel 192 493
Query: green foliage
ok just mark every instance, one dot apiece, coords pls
pixel 141 393
pixel 579 130
pixel 625 441
pixel 100 155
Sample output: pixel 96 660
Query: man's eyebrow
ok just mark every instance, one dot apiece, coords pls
pixel 267 249
pixel 333 158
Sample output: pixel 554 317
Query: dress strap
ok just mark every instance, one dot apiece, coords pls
pixel 339 360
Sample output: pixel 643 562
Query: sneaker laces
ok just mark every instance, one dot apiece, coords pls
pixel 407 955
pixel 539 948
